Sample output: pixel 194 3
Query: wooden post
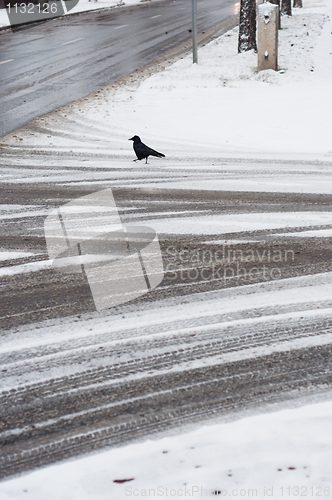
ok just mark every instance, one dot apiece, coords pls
pixel 267 52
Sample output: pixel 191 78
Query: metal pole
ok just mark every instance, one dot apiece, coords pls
pixel 194 15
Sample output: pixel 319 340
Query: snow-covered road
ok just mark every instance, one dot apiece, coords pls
pixel 242 320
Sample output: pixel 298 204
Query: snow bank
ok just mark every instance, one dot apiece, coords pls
pixel 223 102
pixel 287 454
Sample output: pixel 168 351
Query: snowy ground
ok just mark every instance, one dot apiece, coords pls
pixel 223 104
pixel 220 106
pixel 287 454
pixel 196 115
pixel 279 452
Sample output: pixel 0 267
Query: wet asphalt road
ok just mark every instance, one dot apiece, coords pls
pixel 57 62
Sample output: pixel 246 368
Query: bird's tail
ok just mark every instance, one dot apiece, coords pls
pixel 159 155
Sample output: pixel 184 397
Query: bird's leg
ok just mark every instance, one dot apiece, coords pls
pixel 146 160
pixel 135 160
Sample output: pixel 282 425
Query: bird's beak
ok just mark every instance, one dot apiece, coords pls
pixel 131 139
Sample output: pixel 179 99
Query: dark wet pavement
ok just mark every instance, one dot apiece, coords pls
pixel 57 62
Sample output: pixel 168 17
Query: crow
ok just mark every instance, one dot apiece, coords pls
pixel 143 151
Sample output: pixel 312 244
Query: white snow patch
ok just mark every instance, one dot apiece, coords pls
pixel 25 268
pixel 234 223
pixel 273 455
pixel 8 255
pixel 222 102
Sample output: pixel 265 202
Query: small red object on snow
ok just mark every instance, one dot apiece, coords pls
pixel 122 480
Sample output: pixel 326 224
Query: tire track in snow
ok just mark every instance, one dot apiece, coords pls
pixel 175 374
pixel 75 380
pixel 167 403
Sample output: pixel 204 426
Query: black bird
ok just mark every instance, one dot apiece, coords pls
pixel 143 151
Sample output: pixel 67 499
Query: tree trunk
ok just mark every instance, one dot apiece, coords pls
pixel 297 3
pixel 247 26
pixel 277 2
pixel 286 8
